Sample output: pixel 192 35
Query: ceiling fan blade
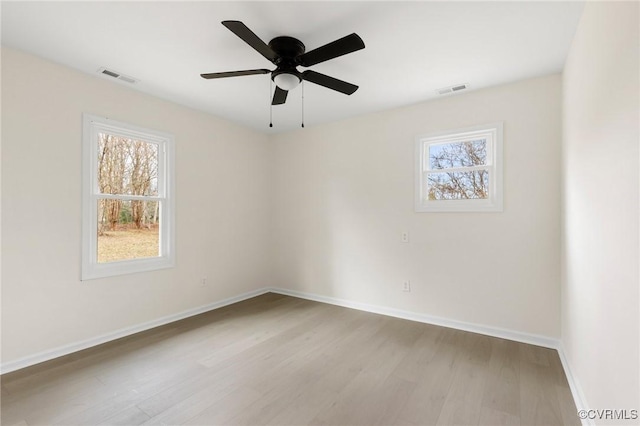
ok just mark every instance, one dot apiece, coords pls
pixel 329 82
pixel 340 47
pixel 234 73
pixel 249 37
pixel 279 96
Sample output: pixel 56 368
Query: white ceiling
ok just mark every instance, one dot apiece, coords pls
pixel 412 49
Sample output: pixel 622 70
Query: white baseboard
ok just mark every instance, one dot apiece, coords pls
pixel 123 332
pixel 517 336
pixel 574 385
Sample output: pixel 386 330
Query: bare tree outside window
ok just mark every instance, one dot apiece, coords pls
pixel 127 228
pixel 447 179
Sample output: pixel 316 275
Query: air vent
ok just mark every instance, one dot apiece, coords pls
pixel 451 89
pixel 117 75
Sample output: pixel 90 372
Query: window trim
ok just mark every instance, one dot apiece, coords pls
pixel 91 269
pixel 495 165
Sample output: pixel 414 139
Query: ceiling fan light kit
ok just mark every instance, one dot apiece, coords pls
pixel 286 80
pixel 287 53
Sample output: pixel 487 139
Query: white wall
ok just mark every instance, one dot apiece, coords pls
pixel 222 209
pixel 600 286
pixel 344 193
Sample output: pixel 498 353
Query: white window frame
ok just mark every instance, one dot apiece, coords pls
pixel 494 134
pixel 91 269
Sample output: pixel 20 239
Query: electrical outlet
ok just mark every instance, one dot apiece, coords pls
pixel 406 286
pixel 405 236
pixel 203 282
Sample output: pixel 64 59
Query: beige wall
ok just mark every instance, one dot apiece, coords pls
pixel 600 286
pixel 222 223
pixel 344 194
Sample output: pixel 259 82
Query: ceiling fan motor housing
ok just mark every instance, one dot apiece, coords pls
pixel 288 49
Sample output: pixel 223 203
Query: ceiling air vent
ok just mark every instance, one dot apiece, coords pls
pixel 117 75
pixel 451 89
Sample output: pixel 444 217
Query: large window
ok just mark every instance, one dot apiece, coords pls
pixel 127 199
pixel 460 170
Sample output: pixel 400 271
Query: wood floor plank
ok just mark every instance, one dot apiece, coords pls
pixel 279 360
pixel 20 423
pixel 4 392
pixel 502 391
pixel 491 417
pixel 416 362
pixel 355 404
pixel 119 398
pixel 535 354
pixel 426 402
pixel 389 400
pixel 220 412
pixel 463 403
pixel 568 407
pixel 286 381
pixel 43 406
pixel 130 416
pixel 89 362
pixel 195 404
pixel 539 404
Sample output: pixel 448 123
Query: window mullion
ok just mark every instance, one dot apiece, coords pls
pixel 458 169
pixel 127 197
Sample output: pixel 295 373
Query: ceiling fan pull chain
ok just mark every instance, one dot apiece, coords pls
pixel 302 85
pixel 270 104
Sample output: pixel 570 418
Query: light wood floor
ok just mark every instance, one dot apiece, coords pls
pixel 279 360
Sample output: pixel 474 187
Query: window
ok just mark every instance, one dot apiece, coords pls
pixel 460 170
pixel 127 199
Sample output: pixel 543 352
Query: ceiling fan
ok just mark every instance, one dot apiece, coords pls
pixel 287 53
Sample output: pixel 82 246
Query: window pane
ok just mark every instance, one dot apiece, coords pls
pixel 458 154
pixel 127 166
pixel 127 229
pixel 458 185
